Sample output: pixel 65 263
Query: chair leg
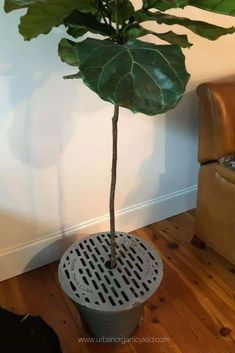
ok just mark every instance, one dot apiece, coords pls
pixel 198 243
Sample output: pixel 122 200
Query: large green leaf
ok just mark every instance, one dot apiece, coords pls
pixel 170 37
pixel 226 7
pixel 9 6
pixel 164 4
pixel 89 22
pixel 67 51
pixel 140 76
pixel 124 8
pixel 41 17
pixel 203 29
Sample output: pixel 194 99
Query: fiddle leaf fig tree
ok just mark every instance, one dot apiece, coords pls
pixel 141 76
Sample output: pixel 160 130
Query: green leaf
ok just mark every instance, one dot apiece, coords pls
pixel 140 76
pixel 125 10
pixel 170 37
pixel 203 29
pixel 68 52
pixel 174 38
pixel 164 5
pixel 76 32
pixel 89 22
pixel 86 6
pixel 42 16
pixel 9 6
pixel 226 7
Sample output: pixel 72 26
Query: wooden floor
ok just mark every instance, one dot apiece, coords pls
pixel 192 312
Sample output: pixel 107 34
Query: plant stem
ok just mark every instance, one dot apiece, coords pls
pixel 113 259
pixel 116 16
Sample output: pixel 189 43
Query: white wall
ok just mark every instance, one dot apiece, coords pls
pixel 55 145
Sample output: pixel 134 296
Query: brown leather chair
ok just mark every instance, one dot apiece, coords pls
pixel 215 213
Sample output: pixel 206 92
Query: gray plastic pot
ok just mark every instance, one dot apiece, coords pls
pixel 110 302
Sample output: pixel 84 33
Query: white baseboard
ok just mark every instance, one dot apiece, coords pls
pixel 49 248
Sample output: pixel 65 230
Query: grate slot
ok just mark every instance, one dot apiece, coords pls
pixel 89 248
pixel 105 248
pixel 143 246
pixel 120 260
pixel 67 274
pixel 137 275
pixel 104 288
pixel 101 297
pixel 133 250
pixel 92 242
pixel 107 241
pixel 94 284
pixel 117 283
pixel 81 246
pixel 124 247
pixel 138 266
pixel 125 296
pixel 97 275
pixel 122 254
pixel 140 260
pixel 100 268
pixel 97 250
pixel 151 256
pixel 82 261
pixel 92 265
pixel 107 279
pixel 99 239
pixel 127 271
pixel 129 263
pixel 135 283
pixel 78 252
pixel 145 286
pixel 85 280
pixel 94 257
pixel 125 279
pixel 114 291
pixel 72 286
pixel 111 300
pixel 131 256
pixel 134 292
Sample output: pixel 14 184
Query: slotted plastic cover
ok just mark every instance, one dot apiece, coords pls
pixel 86 279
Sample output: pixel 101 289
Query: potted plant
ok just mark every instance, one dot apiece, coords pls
pixel 110 275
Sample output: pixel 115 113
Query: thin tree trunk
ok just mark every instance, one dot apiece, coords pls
pixel 113 186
